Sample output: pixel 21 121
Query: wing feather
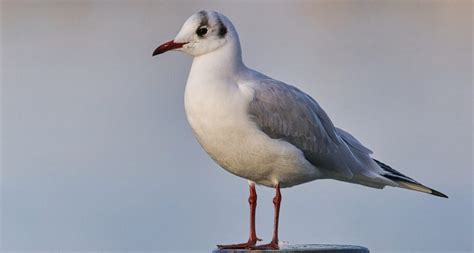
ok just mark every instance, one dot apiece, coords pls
pixel 352 141
pixel 284 112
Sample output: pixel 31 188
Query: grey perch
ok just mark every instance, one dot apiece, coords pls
pixel 304 248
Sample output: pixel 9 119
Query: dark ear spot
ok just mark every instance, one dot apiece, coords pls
pixel 222 29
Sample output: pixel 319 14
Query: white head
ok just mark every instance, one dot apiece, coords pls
pixel 203 33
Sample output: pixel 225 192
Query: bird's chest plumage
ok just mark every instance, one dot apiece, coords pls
pixel 220 122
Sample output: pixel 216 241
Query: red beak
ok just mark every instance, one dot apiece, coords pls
pixel 170 45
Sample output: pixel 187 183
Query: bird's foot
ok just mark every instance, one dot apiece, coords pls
pixel 246 245
pixel 273 245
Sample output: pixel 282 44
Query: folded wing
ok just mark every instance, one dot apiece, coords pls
pixel 284 112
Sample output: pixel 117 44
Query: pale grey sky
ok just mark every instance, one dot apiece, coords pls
pixel 97 153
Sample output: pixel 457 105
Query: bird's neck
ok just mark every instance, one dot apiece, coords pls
pixel 223 63
pixel 213 83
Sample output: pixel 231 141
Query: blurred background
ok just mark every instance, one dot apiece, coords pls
pixel 97 153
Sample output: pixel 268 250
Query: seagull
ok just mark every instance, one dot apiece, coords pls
pixel 264 130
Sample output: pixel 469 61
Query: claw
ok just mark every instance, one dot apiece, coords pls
pixel 245 245
pixel 270 246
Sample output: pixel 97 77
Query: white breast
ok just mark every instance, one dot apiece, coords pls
pixel 217 113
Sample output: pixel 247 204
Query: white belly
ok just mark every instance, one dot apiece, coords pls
pixel 225 131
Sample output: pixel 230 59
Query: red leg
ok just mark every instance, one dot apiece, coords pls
pixel 276 203
pixel 253 234
pixel 253 209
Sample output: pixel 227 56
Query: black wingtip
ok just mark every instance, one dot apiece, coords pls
pixel 437 193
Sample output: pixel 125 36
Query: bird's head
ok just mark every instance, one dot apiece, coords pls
pixel 202 33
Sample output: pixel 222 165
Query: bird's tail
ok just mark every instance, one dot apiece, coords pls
pixel 407 182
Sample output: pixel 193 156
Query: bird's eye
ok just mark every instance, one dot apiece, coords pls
pixel 201 31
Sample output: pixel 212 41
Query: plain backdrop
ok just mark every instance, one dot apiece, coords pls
pixel 97 153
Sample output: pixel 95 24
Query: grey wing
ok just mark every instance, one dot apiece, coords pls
pixel 353 142
pixel 284 112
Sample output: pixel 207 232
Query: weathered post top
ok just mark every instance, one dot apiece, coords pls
pixel 303 248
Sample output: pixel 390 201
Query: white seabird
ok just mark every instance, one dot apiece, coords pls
pixel 262 129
